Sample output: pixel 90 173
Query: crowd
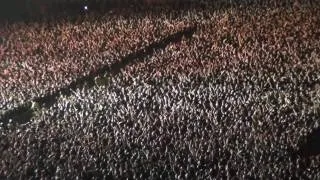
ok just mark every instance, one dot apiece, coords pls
pixel 40 58
pixel 236 100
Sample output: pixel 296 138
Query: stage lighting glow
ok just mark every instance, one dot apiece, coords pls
pixel 85 8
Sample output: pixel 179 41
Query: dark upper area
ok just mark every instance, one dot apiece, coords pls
pixel 38 9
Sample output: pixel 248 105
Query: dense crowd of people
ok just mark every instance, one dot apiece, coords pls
pixel 235 100
pixel 40 58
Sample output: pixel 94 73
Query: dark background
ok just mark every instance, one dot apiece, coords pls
pixel 35 9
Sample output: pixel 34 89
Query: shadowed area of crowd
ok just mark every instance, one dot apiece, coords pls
pixel 312 145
